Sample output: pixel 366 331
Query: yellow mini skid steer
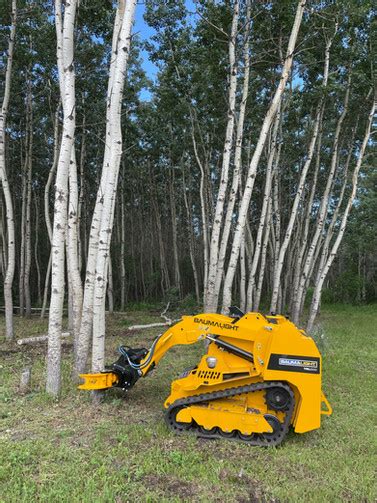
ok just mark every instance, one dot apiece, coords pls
pixel 260 375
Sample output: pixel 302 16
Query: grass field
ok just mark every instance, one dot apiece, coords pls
pixel 121 450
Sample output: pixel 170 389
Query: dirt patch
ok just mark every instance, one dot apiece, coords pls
pixel 251 488
pixel 170 486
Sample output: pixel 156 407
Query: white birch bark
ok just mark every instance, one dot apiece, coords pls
pixel 73 248
pixel 243 275
pixel 26 279
pixel 173 216
pixel 36 248
pixel 111 164
pixel 110 286
pixel 47 204
pixel 3 259
pixel 203 208
pixel 305 233
pixel 21 278
pixel 11 252
pixel 122 244
pixel 245 202
pixel 271 164
pixel 326 267
pixel 262 268
pixel 67 85
pixel 214 250
pixel 191 238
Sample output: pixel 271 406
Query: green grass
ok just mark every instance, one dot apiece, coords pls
pixel 121 450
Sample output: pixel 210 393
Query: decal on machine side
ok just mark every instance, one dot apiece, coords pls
pixel 218 324
pixel 294 363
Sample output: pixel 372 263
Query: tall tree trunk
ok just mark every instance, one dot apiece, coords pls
pixel 3 254
pixel 36 248
pixel 64 34
pixel 173 215
pixel 28 209
pixel 204 212
pixel 111 164
pixel 47 204
pixel 211 297
pixel 245 202
pixel 8 279
pixel 21 279
pixel 190 237
pixel 122 242
pixel 271 164
pixel 262 268
pixel 73 231
pixel 110 287
pixel 81 248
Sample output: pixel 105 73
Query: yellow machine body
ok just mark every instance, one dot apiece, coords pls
pixel 260 375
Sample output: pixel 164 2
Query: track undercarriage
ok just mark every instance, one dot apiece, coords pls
pixel 259 414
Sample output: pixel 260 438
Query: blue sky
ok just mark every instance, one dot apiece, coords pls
pixel 145 32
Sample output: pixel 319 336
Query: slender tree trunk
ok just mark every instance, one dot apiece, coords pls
pixel 191 238
pixel 245 202
pixel 243 275
pixel 81 202
pixel 211 294
pixel 204 212
pixel 28 210
pixel 11 252
pixel 73 231
pixel 36 249
pixel 122 243
pixel 64 33
pixel 110 287
pixel 3 258
pixel 264 212
pixel 173 215
pixel 47 204
pixel 21 279
pixel 111 164
pixel 262 268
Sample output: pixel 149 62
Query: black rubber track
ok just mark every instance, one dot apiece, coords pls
pixel 258 439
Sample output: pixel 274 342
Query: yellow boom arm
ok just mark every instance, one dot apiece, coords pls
pixel 188 331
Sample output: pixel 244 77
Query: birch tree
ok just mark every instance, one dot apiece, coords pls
pixel 64 23
pixel 211 294
pixel 10 266
pixel 245 201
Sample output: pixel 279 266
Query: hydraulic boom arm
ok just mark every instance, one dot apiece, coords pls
pixel 135 363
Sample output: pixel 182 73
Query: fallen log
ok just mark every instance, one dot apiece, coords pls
pixel 38 338
pixel 151 325
pixel 165 323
